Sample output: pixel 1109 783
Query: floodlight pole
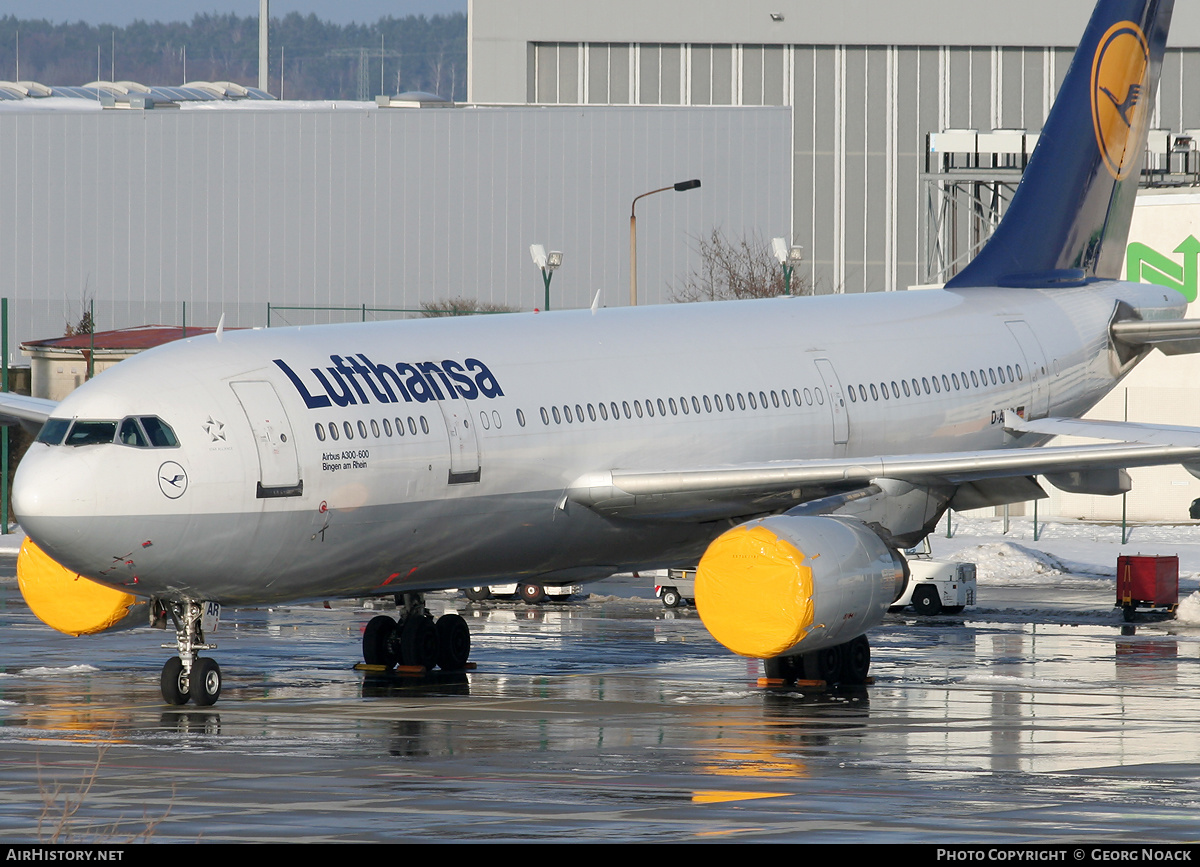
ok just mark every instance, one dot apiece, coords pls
pixel 547 263
pixel 264 24
pixel 680 187
pixel 789 256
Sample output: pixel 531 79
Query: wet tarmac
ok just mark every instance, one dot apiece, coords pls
pixel 1025 720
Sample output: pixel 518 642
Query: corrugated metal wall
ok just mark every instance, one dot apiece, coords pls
pixel 861 117
pixel 230 209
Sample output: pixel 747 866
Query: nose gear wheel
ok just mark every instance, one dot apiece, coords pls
pixel 188 676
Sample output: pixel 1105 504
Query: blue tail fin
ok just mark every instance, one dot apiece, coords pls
pixel 1072 210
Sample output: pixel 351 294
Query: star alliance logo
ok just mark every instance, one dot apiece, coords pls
pixel 215 429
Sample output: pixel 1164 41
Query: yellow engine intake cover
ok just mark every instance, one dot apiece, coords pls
pixel 754 593
pixel 66 600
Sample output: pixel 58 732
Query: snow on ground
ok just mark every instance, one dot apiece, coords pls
pixel 10 542
pixel 1007 562
pixel 1189 610
pixel 1080 549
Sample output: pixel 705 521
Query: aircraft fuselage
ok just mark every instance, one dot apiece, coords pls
pixel 384 457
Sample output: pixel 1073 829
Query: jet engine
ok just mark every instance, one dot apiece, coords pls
pixel 71 603
pixel 788 585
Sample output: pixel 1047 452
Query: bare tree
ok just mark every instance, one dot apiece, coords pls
pixel 461 307
pixel 85 325
pixel 735 269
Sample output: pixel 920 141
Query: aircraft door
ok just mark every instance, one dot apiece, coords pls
pixel 464 445
pixel 278 462
pixel 837 401
pixel 1035 364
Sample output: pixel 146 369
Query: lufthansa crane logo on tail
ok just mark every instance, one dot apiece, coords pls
pixel 1119 97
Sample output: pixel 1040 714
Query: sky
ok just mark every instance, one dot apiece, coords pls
pixel 122 12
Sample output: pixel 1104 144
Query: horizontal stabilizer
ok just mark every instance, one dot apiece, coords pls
pixel 1118 431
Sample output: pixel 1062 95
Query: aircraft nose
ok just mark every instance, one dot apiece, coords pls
pixel 53 489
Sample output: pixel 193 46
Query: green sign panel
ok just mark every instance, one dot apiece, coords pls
pixel 1146 265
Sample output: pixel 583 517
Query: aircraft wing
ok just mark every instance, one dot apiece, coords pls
pixel 29 411
pixel 706 493
pixel 1120 431
pixel 1173 337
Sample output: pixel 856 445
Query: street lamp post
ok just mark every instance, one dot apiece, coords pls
pixel 548 263
pixel 680 187
pixel 789 256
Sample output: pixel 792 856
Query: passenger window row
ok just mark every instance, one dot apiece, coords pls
pixel 937 384
pixel 377 428
pixel 685 405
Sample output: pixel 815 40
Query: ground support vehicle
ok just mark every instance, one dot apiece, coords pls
pixel 677 587
pixel 528 592
pixel 1147 582
pixel 938 586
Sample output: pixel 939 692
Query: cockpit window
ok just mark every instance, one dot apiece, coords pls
pixel 53 431
pixel 160 433
pixel 131 434
pixel 85 433
pixel 141 432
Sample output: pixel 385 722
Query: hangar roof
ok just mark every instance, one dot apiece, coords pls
pixel 120 91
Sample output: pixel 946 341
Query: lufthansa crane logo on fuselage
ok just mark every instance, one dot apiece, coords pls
pixel 1119 98
pixel 172 480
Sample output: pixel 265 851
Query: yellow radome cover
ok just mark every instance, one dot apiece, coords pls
pixel 66 600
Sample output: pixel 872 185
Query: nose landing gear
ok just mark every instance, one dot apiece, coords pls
pixel 190 676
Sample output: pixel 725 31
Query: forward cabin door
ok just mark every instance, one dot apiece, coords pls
pixel 278 463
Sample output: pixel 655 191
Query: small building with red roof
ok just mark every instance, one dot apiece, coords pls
pixel 59 365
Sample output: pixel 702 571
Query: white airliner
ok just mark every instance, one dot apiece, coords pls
pixel 797 443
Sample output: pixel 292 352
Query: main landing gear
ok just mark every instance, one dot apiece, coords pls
pixel 416 639
pixel 189 675
pixel 845 664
